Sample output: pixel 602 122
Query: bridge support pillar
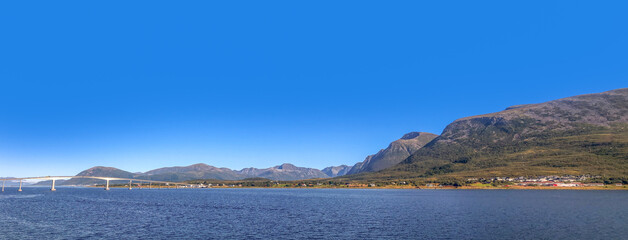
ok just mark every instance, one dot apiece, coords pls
pixel 53 185
pixel 149 185
pixel 2 185
pixel 130 184
pixel 107 185
pixel 20 189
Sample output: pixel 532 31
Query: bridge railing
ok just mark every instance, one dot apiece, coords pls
pixel 107 179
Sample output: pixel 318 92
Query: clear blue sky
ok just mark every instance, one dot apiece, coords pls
pixel 145 84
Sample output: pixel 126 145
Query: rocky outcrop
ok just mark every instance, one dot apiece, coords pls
pixel 336 171
pixel 396 152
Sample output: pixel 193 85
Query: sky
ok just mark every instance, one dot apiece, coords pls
pixel 140 85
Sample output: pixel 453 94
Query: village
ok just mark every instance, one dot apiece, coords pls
pixel 549 181
pixel 509 182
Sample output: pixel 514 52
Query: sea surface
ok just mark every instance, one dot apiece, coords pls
pixel 92 213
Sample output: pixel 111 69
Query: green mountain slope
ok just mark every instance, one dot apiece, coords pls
pixel 586 134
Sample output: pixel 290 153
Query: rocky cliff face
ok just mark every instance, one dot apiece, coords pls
pixel 336 171
pixel 396 152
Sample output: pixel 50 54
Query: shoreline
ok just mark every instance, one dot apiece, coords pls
pixel 414 187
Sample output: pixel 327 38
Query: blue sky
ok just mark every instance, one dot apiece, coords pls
pixel 145 84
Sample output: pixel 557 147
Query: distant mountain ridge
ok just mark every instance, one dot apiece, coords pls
pixel 284 172
pixel 396 152
pixel 336 171
pixel 196 171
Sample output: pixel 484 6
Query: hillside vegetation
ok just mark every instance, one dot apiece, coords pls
pixel 585 134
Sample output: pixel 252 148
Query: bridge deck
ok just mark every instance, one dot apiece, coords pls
pixel 89 177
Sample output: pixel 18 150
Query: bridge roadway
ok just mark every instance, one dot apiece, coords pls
pixel 107 179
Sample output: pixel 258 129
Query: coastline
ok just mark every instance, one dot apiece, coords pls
pixel 432 188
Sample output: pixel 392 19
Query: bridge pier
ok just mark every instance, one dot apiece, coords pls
pixel 53 186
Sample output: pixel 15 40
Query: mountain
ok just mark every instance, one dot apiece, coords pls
pixel 586 134
pixel 396 152
pixel 98 172
pixel 283 172
pixel 196 171
pixel 336 171
pixel 204 171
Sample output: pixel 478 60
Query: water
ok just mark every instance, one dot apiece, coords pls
pixel 89 213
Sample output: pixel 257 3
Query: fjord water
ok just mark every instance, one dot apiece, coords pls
pixel 90 213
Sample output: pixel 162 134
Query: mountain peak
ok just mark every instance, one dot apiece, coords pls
pixel 287 166
pixel 199 165
pixel 100 170
pixel 396 152
pixel 411 135
pixel 284 172
pixel 101 167
pixel 335 171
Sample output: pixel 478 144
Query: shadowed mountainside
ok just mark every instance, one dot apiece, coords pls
pixel 336 171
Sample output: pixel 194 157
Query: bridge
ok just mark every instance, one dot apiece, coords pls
pixel 107 179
